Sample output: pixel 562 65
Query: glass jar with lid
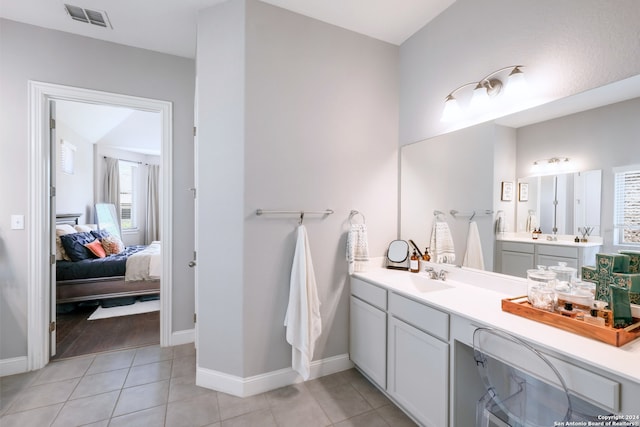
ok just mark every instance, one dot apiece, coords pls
pixel 541 284
pixel 565 276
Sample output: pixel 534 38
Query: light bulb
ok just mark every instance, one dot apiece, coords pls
pixel 480 98
pixel 517 84
pixel 451 110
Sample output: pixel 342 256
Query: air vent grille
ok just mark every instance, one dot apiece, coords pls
pixel 88 16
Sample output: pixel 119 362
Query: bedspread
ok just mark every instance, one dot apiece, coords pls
pixel 145 265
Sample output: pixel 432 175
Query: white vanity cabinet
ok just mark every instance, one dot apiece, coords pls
pixel 402 345
pixel 418 360
pixel 368 330
pixel 516 257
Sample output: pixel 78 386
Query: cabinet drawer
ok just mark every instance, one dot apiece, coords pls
pixel 430 320
pixel 518 247
pixel 372 294
pixel 560 251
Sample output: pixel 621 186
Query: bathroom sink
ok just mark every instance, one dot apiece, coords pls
pixel 425 284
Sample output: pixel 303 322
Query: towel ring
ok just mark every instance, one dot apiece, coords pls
pixel 353 214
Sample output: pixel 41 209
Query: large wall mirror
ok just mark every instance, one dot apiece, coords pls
pixel 465 170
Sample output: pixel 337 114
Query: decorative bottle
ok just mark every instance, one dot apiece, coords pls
pixel 414 265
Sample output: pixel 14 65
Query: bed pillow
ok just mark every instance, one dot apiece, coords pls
pixel 73 245
pixel 85 228
pixel 96 248
pixel 112 245
pixel 100 234
pixel 62 229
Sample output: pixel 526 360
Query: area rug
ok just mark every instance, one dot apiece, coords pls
pixel 126 310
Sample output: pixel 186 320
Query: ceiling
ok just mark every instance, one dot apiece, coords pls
pixel 115 127
pixel 393 21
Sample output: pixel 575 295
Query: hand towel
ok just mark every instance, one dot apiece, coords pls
pixel 532 223
pixel 442 250
pixel 357 248
pixel 500 223
pixel 302 321
pixel 473 257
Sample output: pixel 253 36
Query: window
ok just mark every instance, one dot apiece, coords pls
pixel 128 207
pixel 627 206
pixel 67 155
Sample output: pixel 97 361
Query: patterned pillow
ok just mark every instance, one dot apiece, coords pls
pixel 73 245
pixel 112 245
pixel 100 234
pixel 96 248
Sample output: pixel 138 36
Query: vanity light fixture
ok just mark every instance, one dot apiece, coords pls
pixel 485 89
pixel 552 165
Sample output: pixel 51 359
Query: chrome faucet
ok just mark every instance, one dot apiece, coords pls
pixel 435 275
pixel 431 272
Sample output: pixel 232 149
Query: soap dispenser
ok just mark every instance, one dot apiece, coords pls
pixel 426 256
pixel 414 265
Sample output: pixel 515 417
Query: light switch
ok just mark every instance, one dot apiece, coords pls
pixel 17 222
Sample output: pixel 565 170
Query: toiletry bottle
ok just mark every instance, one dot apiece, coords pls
pixel 568 310
pixel 577 239
pixel 426 256
pixel 414 266
pixel 593 318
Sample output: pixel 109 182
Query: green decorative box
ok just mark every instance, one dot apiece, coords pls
pixel 634 260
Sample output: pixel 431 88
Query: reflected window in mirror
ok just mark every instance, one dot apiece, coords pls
pixel 627 206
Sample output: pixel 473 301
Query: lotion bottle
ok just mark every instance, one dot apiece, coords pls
pixel 414 265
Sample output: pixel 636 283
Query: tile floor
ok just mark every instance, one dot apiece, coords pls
pixel 153 386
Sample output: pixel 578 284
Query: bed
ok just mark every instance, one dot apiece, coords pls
pixel 105 278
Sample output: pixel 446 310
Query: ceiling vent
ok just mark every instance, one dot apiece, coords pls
pixel 95 17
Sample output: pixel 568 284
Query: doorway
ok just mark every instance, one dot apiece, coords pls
pixel 85 136
pixel 39 310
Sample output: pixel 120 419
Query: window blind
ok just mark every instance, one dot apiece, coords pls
pixel 627 206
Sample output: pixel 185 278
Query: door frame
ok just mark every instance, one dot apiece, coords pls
pixel 39 209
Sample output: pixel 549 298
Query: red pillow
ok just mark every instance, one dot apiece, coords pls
pixel 96 248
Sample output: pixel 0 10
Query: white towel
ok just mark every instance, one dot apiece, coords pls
pixel 442 250
pixel 532 223
pixel 302 321
pixel 473 257
pixel 500 223
pixel 357 248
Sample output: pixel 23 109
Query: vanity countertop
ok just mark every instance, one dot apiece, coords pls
pixel 477 296
pixel 564 240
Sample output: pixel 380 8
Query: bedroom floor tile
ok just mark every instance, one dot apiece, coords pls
pixel 103 390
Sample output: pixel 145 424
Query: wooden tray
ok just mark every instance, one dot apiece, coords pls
pixel 618 337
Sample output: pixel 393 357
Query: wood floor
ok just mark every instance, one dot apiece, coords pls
pixel 78 336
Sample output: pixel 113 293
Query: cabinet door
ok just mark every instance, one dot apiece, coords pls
pixel 418 372
pixel 516 263
pixel 368 340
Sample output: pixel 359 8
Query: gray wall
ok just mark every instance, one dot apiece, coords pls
pixel 318 130
pixel 602 138
pixel 33 53
pixel 75 193
pixel 568 47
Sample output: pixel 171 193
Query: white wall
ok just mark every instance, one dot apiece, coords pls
pixel 313 125
pixel 75 191
pixel 33 53
pixel 602 138
pixel 568 47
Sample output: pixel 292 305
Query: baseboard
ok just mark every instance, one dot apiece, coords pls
pixel 15 365
pixel 183 337
pixel 244 387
